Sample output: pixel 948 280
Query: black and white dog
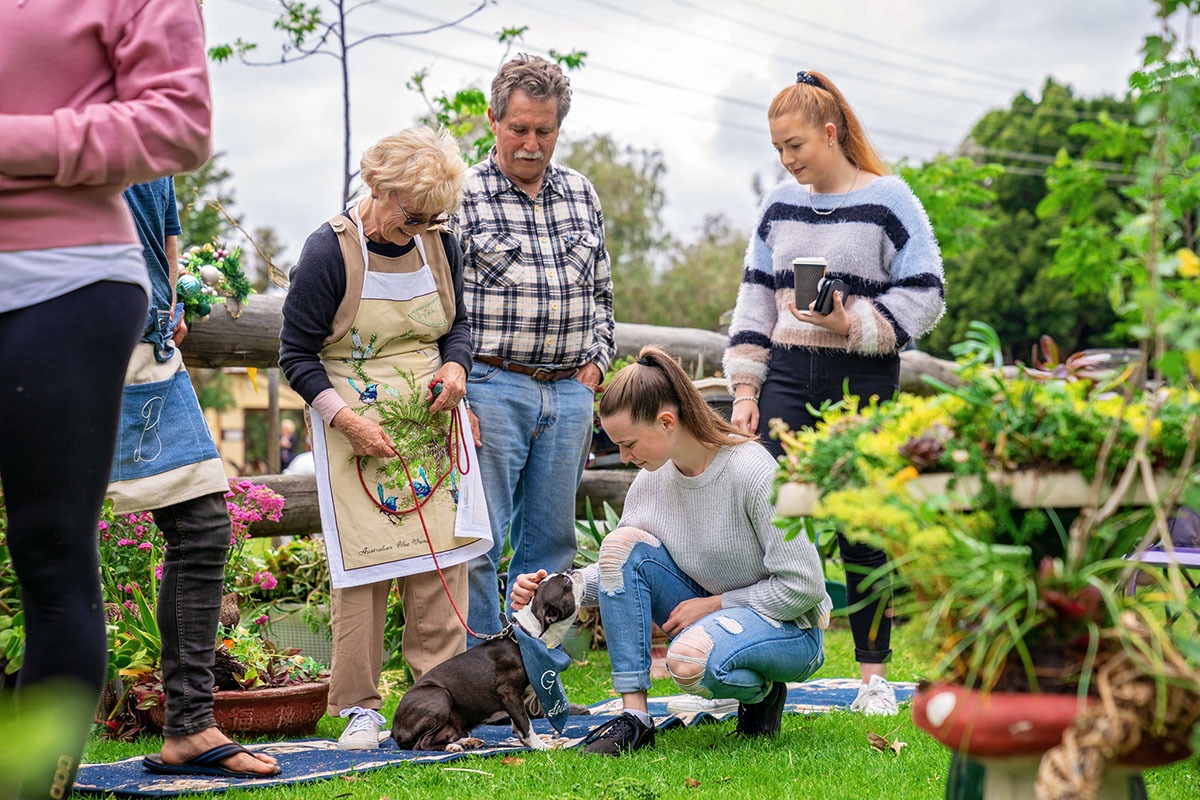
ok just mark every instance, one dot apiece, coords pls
pixel 489 680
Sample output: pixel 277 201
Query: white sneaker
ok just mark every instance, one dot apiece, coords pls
pixel 693 703
pixel 875 697
pixel 364 730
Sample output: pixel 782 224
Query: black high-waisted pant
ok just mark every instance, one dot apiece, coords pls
pixel 796 379
pixel 62 372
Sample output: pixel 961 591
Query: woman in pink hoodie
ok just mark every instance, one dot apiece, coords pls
pixel 94 95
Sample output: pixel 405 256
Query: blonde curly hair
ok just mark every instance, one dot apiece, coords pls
pixel 424 165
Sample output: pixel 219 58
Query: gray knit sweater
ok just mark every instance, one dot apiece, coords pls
pixel 717 528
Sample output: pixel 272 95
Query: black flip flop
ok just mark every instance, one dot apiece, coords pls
pixel 207 763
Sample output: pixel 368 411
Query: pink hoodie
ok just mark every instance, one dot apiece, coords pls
pixel 94 95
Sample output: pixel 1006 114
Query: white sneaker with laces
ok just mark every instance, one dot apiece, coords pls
pixel 875 697
pixel 693 703
pixel 364 730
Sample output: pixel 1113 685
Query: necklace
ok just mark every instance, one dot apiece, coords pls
pixel 841 202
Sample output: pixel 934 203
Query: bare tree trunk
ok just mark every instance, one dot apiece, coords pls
pixel 345 65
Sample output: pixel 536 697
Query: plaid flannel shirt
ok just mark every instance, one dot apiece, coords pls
pixel 538 284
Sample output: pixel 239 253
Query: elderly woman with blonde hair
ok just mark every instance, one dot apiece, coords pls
pixel 375 339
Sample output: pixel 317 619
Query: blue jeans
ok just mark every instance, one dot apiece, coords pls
pixel 536 438
pixel 744 651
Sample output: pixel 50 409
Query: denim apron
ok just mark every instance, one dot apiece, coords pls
pixel 165 452
pixel 387 359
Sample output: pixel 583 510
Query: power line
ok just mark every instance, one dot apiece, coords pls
pixel 874 80
pixel 1002 79
pixel 757 106
pixel 990 82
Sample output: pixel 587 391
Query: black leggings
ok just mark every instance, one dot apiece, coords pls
pixel 798 378
pixel 62 370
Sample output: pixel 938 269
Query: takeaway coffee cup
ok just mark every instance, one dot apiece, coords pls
pixel 808 272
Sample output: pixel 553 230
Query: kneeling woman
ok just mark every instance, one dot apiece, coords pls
pixel 696 553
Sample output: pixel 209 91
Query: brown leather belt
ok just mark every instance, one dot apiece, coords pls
pixel 543 374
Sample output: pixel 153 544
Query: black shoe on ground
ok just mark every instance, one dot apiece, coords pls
pixel 619 735
pixel 765 717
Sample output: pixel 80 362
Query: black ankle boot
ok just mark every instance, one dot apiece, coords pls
pixel 765 717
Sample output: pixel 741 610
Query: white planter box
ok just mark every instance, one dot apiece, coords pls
pixel 1030 489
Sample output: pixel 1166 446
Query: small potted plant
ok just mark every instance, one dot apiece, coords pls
pixel 259 688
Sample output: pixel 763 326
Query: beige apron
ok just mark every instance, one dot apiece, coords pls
pixel 381 365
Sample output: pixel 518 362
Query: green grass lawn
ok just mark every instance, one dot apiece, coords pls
pixel 823 757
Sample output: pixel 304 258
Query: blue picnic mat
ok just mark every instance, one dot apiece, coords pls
pixel 308 760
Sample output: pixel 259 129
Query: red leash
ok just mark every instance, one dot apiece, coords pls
pixel 453 444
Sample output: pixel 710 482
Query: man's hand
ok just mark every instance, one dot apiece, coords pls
pixel 454 387
pixel 180 331
pixel 366 436
pixel 589 375
pixel 474 420
pixel 689 612
pixel 523 589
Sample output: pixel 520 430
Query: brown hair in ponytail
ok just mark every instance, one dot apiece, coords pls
pixel 816 99
pixel 655 381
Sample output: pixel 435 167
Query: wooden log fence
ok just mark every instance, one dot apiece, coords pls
pixel 251 339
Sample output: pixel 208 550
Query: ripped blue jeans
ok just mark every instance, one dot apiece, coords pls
pixel 734 652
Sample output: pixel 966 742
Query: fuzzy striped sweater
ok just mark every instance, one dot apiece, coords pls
pixel 879 242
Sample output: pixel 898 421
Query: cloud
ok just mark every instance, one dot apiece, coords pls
pixel 689 77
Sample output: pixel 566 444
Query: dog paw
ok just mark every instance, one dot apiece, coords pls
pixel 466 743
pixel 536 742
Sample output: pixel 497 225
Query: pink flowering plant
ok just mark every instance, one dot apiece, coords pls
pixel 245 572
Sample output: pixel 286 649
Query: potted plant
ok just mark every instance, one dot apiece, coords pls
pixel 259 688
pixel 1016 507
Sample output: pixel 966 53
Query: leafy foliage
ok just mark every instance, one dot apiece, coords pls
pixel 994 584
pixel 1003 273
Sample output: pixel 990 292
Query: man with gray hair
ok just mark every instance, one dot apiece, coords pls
pixel 538 287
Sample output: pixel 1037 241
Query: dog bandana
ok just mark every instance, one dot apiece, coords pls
pixel 544 668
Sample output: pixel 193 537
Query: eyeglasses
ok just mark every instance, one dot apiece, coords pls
pixel 416 222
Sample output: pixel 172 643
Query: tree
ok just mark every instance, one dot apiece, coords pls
pixel 628 182
pixel 267 249
pixel 308 32
pixel 701 281
pixel 1004 275
pixel 202 196
pixel 1143 256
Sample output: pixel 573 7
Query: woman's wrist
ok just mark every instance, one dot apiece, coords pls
pixel 745 391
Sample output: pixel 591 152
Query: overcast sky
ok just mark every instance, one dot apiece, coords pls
pixel 692 78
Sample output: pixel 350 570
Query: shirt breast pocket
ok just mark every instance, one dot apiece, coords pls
pixel 581 247
pixel 496 259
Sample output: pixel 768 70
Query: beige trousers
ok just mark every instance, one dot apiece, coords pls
pixel 432 633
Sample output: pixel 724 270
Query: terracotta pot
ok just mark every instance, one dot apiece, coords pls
pixel 1000 724
pixel 290 710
